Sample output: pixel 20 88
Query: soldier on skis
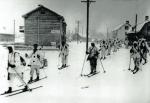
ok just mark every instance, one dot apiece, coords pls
pixel 15 69
pixel 126 43
pixel 103 50
pixel 135 53
pixel 115 46
pixel 109 47
pixel 92 57
pixel 144 50
pixel 64 52
pixel 35 63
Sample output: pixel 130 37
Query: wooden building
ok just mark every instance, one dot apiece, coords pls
pixel 43 26
pixel 142 31
pixel 7 38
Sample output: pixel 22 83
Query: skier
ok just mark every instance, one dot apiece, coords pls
pixel 64 52
pixel 143 50
pixel 92 57
pixel 15 69
pixel 115 45
pixel 109 47
pixel 35 63
pixel 100 49
pixel 103 50
pixel 106 48
pixel 135 51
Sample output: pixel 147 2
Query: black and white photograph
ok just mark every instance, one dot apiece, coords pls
pixel 74 51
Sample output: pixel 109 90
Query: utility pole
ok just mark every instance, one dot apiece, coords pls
pixel 136 23
pixel 78 30
pixel 14 29
pixel 107 34
pixel 136 15
pixel 88 2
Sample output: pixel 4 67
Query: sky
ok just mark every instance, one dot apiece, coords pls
pixel 103 13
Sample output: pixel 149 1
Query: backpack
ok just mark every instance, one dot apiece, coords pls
pixel 23 62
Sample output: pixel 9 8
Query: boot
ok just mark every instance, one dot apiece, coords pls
pixel 136 70
pixel 62 66
pixel 25 88
pixel 31 79
pixel 94 70
pixel 37 78
pixel 9 90
pixel 145 62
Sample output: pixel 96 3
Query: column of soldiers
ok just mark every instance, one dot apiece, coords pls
pixel 17 64
pixel 106 48
pixel 138 53
pixel 109 46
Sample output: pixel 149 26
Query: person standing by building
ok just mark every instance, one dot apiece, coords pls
pixel 126 43
pixel 15 69
pixel 92 57
pixel 35 63
pixel 64 52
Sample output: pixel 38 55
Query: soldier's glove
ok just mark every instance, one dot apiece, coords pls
pixel 87 52
pixel 26 55
pixel 38 56
pixel 29 65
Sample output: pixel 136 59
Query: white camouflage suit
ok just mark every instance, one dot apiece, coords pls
pixel 35 63
pixel 103 51
pixel 16 72
pixel 64 54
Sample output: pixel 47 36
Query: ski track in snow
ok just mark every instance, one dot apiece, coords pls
pixel 117 85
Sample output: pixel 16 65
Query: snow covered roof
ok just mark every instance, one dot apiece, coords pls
pixel 38 8
pixel 120 26
pixel 139 27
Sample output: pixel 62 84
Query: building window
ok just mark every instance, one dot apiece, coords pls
pixel 126 27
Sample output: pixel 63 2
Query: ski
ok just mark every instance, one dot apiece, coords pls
pixel 63 67
pixel 89 75
pixel 12 91
pixel 93 74
pixel 34 81
pixel 23 91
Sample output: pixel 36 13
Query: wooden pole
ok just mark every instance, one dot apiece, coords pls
pixel 88 2
pixel 14 30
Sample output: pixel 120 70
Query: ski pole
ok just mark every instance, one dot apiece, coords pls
pixel 102 66
pixel 22 79
pixel 83 65
pixel 44 73
pixel 58 65
pixel 129 63
pixel 43 61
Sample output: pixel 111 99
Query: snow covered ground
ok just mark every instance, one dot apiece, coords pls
pixel 117 85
